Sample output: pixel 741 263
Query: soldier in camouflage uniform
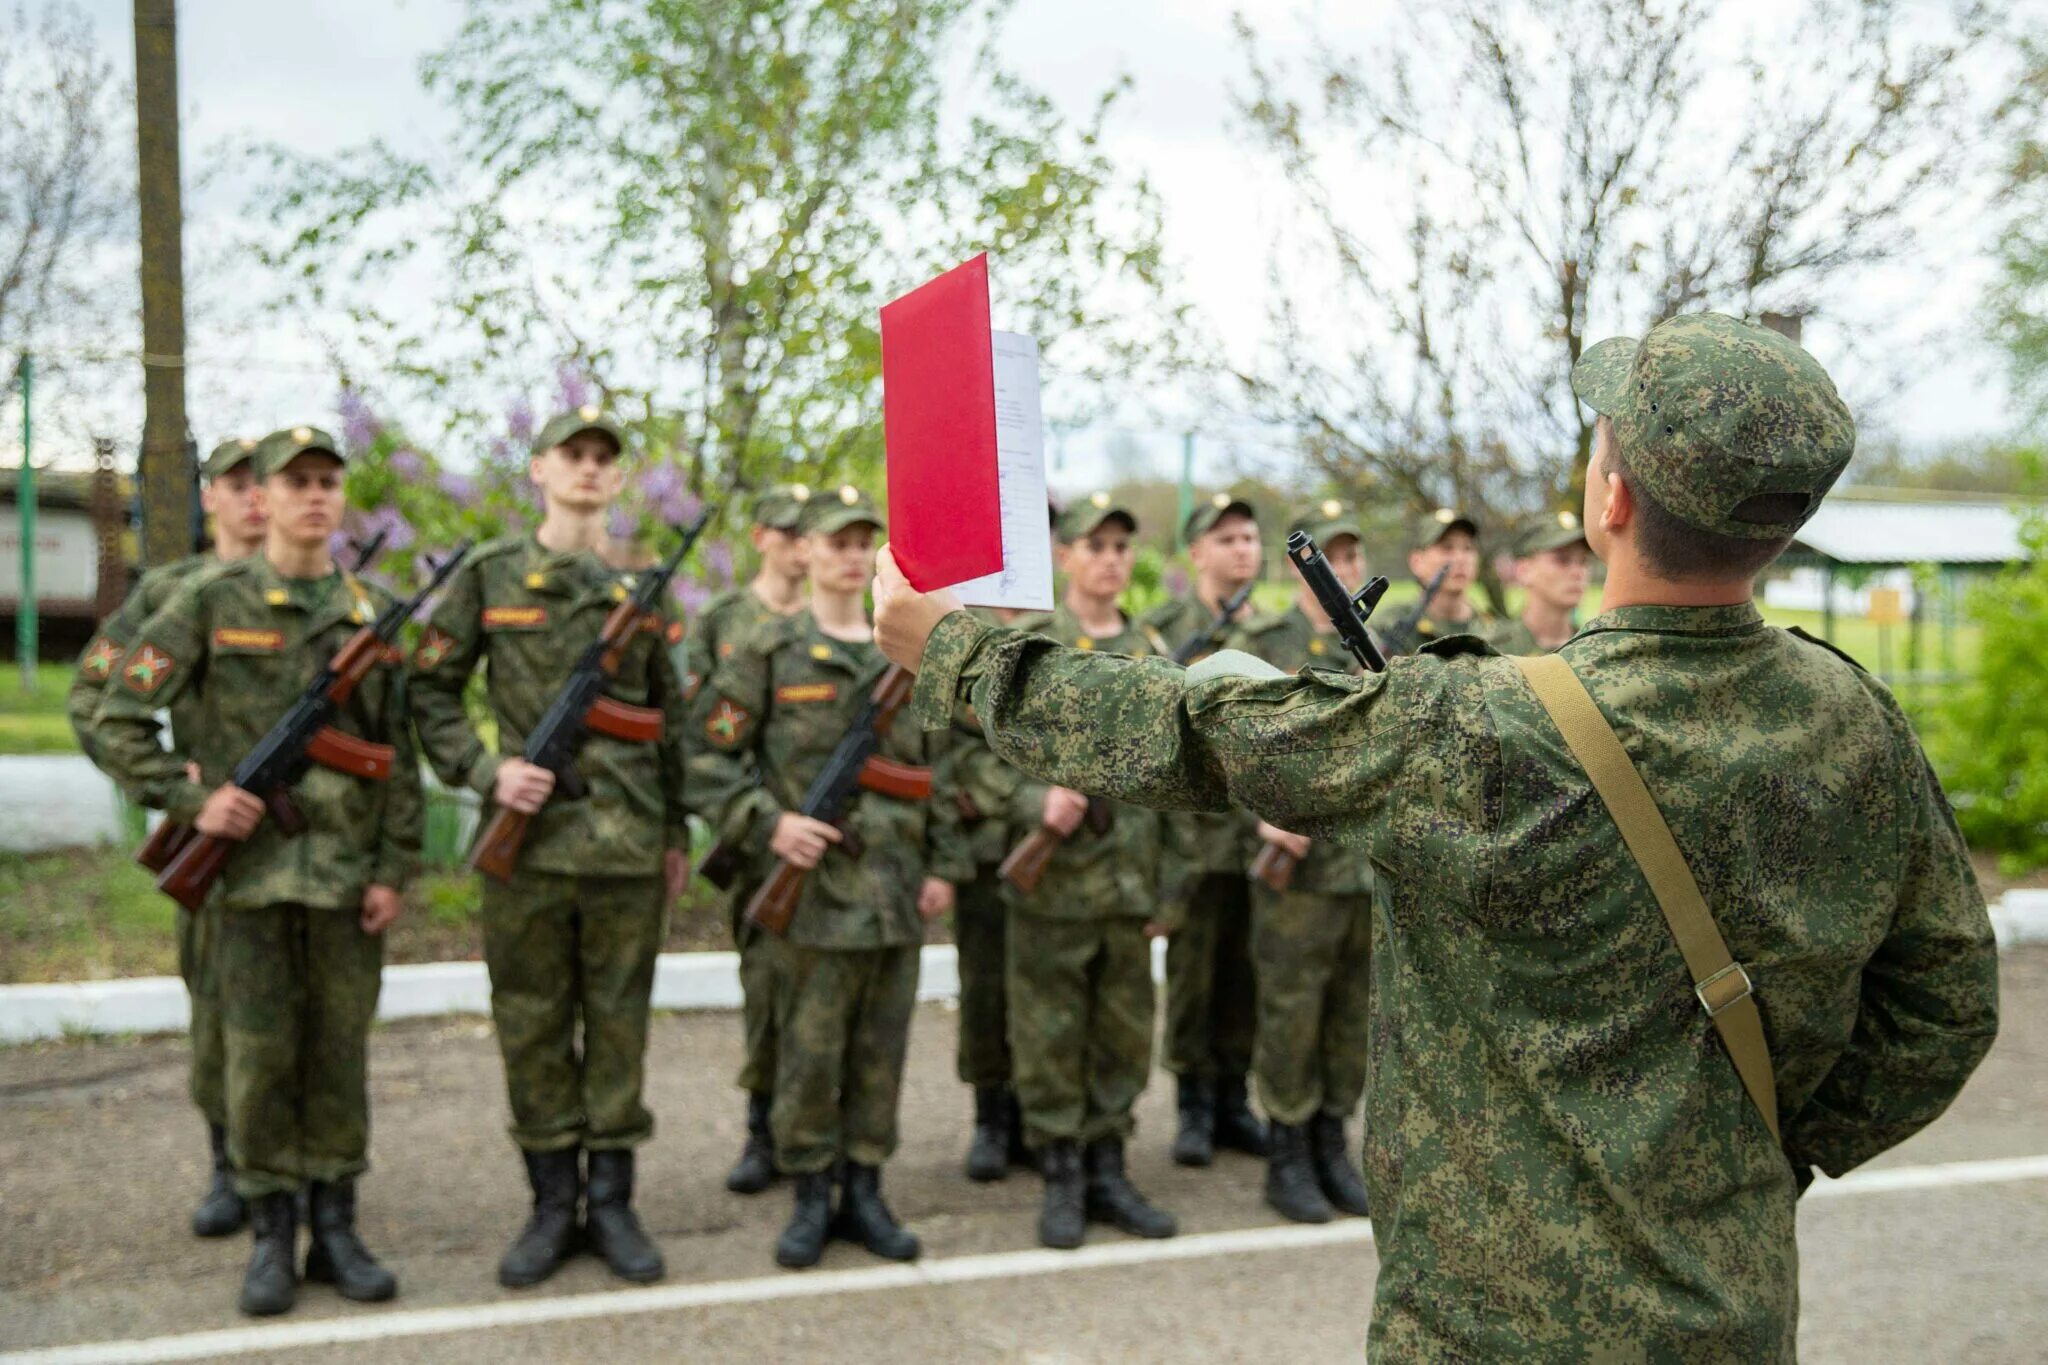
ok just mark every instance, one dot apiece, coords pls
pixel 1441 537
pixel 302 919
pixel 1080 963
pixel 847 972
pixel 575 934
pixel 1311 942
pixel 1552 563
pixel 1211 996
pixel 777 591
pixel 1565 1163
pixel 233 497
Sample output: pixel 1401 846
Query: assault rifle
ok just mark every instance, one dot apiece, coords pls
pixel 1348 612
pixel 1025 866
pixel 580 707
pixel 1407 624
pixel 188 862
pixel 854 766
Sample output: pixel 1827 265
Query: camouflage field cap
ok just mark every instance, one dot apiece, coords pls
pixel 836 509
pixel 1084 517
pixel 781 507
pixel 1207 514
pixel 1432 526
pixel 279 448
pixel 1553 532
pixel 227 455
pixel 1715 414
pixel 589 417
pixel 1327 521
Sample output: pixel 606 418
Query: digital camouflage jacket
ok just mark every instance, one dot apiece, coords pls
pixel 96 664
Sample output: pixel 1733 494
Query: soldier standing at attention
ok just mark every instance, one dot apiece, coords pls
pixel 1311 943
pixel 847 973
pixel 1444 537
pixel 1552 563
pixel 1080 964
pixel 301 919
pixel 777 591
pixel 1211 1006
pixel 576 933
pixel 1585 1141
pixel 233 497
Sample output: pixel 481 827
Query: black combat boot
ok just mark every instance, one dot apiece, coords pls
pixel 1195 1143
pixel 609 1221
pixel 1291 1186
pixel 865 1218
pixel 271 1283
pixel 803 1241
pixel 221 1211
pixel 1020 1149
pixel 337 1256
pixel 549 1237
pixel 1113 1199
pixel 1237 1127
pixel 755 1170
pixel 1063 1222
pixel 988 1150
pixel 1341 1182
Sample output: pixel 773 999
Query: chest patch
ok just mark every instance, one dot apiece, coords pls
pixel 101 658
pixel 147 670
pixel 725 722
pixel 242 637
pixel 514 618
pixel 435 646
pixel 814 691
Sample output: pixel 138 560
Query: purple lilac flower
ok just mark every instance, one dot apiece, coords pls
pixel 718 563
pixel 407 464
pixel 621 524
pixel 572 386
pixel 359 426
pixel 337 546
pixel 460 487
pixel 691 594
pixel 398 532
pixel 519 427
pixel 1176 580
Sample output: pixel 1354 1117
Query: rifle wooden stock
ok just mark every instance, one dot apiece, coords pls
pixel 774 905
pixel 193 872
pixel 1026 865
pixel 1275 866
pixel 344 753
pixel 904 781
pixel 165 842
pixel 496 851
pixel 623 720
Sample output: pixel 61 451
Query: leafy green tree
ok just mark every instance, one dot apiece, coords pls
pixel 2018 298
pixel 701 204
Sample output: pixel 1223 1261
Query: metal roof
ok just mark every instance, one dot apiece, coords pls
pixel 1858 531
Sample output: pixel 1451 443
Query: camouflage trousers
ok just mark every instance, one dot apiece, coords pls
pixel 1081 1003
pixel 198 941
pixel 757 996
pixel 1211 998
pixel 298 990
pixel 560 949
pixel 1312 953
pixel 843 1019
pixel 980 929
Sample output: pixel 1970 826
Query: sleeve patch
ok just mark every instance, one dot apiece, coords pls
pixel 435 646
pixel 496 618
pixel 675 632
pixel 235 637
pixel 101 658
pixel 725 722
pixel 147 670
pixel 801 692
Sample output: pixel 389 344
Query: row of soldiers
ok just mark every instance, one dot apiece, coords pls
pixel 283 961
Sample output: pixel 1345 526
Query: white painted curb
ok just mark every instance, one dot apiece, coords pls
pixel 682 981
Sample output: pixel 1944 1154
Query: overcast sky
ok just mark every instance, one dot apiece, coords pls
pixel 320 74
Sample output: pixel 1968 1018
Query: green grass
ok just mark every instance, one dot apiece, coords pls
pixel 34 723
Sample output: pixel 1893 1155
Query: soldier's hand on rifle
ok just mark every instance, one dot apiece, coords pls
pixel 934 898
pixel 675 873
pixel 522 786
pixel 230 813
pixel 1064 809
pixel 1295 845
pixel 381 905
pixel 800 841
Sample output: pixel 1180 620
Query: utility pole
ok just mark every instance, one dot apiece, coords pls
pixel 166 473
pixel 25 503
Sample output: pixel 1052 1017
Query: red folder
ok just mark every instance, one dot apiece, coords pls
pixel 939 430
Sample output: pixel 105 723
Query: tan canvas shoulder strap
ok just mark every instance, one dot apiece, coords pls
pixel 1719 981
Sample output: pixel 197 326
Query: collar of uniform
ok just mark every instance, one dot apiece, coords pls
pixel 1063 616
pixel 1729 620
pixel 827 652
pixel 561 573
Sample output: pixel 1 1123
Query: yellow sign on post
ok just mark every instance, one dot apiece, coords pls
pixel 1887 607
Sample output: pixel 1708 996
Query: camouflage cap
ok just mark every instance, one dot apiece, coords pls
pixel 227 455
pixel 589 417
pixel 1327 521
pixel 1715 415
pixel 1205 516
pixel 1084 517
pixel 1433 525
pixel 825 513
pixel 782 507
pixel 279 448
pixel 1553 532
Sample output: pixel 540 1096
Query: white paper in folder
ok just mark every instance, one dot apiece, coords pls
pixel 1025 580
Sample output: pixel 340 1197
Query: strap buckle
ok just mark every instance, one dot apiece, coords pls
pixel 1720 1000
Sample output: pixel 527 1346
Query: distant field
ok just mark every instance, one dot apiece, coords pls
pixel 35 724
